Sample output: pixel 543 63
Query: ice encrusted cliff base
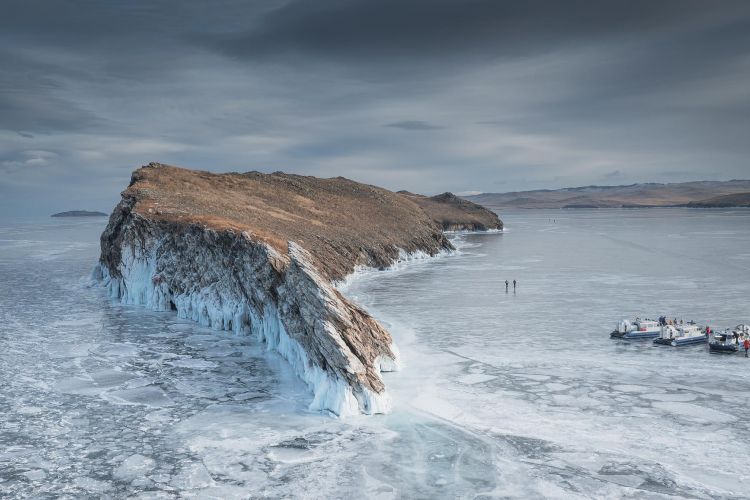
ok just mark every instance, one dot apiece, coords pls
pixel 220 250
pixel 228 281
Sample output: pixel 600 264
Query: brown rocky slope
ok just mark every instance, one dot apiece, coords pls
pixel 259 253
pixel 454 213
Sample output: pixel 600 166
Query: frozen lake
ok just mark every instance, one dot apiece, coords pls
pixel 501 394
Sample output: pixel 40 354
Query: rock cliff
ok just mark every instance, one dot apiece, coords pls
pixel 259 254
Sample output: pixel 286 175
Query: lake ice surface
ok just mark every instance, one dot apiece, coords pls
pixel 500 395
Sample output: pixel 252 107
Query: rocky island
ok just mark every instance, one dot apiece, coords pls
pixel 79 213
pixel 261 254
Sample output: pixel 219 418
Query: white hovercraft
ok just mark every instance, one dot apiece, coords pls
pixel 636 330
pixel 679 335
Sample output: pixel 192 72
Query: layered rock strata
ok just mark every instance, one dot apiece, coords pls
pixel 259 254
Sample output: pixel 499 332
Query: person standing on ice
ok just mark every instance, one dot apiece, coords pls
pixel 506 286
pixel 514 285
pixel 746 345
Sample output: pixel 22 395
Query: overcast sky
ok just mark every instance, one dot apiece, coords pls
pixel 425 95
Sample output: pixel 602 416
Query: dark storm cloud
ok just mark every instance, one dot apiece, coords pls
pixel 435 28
pixel 519 94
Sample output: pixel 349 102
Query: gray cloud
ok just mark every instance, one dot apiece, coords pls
pixel 518 94
pixel 413 125
pixel 392 29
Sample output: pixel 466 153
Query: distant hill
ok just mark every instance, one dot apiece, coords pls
pixel 727 200
pixel 79 213
pixel 700 194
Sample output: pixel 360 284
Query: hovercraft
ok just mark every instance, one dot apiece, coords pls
pixel 680 335
pixel 723 343
pixel 637 330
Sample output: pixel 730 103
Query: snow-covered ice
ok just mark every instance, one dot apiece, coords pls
pixel 474 378
pixel 500 395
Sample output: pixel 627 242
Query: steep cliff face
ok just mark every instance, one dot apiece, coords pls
pixel 258 254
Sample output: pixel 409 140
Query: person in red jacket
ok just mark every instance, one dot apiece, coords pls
pixel 746 345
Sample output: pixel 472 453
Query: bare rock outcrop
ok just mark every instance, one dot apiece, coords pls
pixel 456 214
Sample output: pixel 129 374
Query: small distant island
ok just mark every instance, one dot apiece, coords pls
pixel 79 213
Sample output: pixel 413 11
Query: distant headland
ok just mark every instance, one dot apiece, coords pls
pixel 699 194
pixel 79 213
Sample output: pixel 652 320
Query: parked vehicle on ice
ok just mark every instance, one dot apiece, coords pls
pixel 679 335
pixel 723 343
pixel 638 329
